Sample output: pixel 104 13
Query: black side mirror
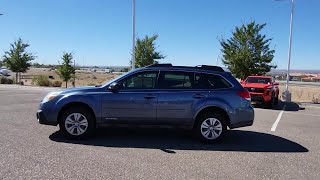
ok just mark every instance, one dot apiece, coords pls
pixel 114 87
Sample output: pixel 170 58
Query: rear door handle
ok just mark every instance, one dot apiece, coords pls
pixel 199 96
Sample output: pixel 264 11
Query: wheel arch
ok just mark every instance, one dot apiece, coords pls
pixel 213 109
pixel 76 104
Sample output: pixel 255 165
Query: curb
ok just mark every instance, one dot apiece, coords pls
pixel 309 105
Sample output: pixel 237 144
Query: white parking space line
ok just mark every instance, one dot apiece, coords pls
pixel 275 124
pixel 315 115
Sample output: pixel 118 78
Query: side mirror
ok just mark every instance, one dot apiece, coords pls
pixel 276 83
pixel 114 87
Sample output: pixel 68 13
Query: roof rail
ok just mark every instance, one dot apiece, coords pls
pixel 205 67
pixel 160 65
pixel 212 68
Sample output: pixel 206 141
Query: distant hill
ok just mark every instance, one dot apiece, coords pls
pixel 283 71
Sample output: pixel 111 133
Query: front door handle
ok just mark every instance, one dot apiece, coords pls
pixel 150 96
pixel 199 96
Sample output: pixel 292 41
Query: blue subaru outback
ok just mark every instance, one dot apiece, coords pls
pixel 205 99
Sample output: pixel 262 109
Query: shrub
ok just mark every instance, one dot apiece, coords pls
pixel 9 81
pixel 56 83
pixel 41 81
pixel 315 100
pixel 3 80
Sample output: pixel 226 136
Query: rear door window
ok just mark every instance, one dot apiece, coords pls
pixel 176 80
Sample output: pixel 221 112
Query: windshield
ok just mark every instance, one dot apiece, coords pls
pixel 258 80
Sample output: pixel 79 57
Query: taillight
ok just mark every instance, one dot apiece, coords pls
pixel 244 94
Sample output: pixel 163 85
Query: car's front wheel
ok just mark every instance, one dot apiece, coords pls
pixel 76 123
pixel 210 127
pixel 276 100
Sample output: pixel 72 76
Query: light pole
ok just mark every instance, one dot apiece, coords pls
pixel 287 94
pixel 133 33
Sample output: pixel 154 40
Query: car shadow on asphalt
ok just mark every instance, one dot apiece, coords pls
pixel 169 140
pixel 282 105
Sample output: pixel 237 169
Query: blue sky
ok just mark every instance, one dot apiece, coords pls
pixel 99 32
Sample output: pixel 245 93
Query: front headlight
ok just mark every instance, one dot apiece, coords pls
pixel 51 96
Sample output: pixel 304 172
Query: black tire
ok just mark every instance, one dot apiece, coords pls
pixel 276 100
pixel 70 113
pixel 271 103
pixel 198 130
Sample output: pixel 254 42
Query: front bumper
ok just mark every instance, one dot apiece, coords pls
pixel 260 97
pixel 42 119
pixel 257 98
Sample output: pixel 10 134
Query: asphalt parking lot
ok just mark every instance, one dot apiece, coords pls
pixel 283 143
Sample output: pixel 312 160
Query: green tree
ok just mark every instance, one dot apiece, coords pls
pixel 248 51
pixel 1 64
pixel 36 65
pixel 17 59
pixel 66 70
pixel 146 53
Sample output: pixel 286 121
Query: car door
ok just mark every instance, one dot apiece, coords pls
pixel 135 102
pixel 178 98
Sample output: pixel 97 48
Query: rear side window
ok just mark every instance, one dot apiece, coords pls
pixel 176 80
pixel 210 81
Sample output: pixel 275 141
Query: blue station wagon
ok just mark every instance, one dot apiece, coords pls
pixel 205 99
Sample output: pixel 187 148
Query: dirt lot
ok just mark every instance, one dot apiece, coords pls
pixel 299 93
pixel 302 93
pixel 83 78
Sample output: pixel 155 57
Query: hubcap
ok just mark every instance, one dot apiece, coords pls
pixel 211 128
pixel 76 124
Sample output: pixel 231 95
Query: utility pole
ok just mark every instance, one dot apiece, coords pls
pixel 133 59
pixel 74 75
pixel 287 95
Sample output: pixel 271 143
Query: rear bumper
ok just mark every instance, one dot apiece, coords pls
pixel 241 124
pixel 242 117
pixel 42 119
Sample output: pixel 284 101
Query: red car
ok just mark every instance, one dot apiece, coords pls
pixel 263 89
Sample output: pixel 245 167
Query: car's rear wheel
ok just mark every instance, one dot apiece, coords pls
pixel 76 123
pixel 210 127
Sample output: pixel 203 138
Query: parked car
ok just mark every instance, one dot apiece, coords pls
pixel 204 99
pixel 263 89
pixel 4 72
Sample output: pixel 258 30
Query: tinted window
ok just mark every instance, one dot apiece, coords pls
pixel 176 80
pixel 210 81
pixel 146 80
